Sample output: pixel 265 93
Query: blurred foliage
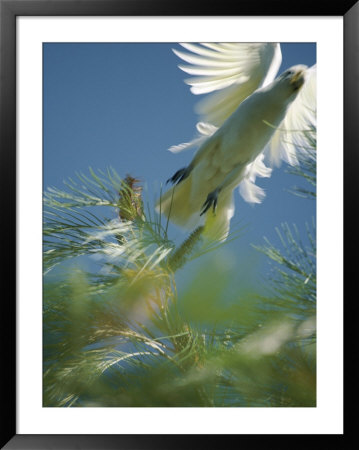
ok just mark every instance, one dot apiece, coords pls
pixel 123 336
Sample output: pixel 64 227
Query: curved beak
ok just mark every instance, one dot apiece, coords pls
pixel 296 76
pixel 298 79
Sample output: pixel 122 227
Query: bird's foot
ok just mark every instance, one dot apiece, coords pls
pixel 179 176
pixel 212 200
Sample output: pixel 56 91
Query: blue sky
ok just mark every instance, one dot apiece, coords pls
pixel 124 105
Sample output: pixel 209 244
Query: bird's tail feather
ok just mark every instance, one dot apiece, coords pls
pixel 175 205
pixel 217 223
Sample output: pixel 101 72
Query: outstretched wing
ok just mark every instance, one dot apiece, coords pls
pixel 228 72
pixel 298 129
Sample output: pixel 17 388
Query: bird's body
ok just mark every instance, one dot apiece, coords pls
pixel 204 189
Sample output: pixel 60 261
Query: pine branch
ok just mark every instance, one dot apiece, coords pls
pixel 123 337
pixel 293 279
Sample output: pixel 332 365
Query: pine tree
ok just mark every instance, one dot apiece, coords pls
pixel 121 334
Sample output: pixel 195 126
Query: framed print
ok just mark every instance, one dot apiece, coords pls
pixel 156 304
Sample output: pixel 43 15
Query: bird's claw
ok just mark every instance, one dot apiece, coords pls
pixel 212 200
pixel 178 176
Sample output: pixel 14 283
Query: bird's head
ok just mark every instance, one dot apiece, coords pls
pixel 292 80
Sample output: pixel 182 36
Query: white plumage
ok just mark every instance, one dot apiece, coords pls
pixel 248 115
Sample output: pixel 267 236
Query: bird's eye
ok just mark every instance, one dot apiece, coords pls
pixel 290 72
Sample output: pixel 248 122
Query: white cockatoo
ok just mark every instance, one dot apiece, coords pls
pixel 248 116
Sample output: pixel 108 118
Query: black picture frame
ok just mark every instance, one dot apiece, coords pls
pixel 9 10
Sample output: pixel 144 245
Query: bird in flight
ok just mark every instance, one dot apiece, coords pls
pixel 248 116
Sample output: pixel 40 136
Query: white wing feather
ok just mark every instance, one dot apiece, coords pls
pixel 229 72
pixel 248 189
pixel 204 129
pixel 298 126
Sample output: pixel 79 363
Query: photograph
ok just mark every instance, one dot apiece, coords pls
pixel 174 179
pixel 179 224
